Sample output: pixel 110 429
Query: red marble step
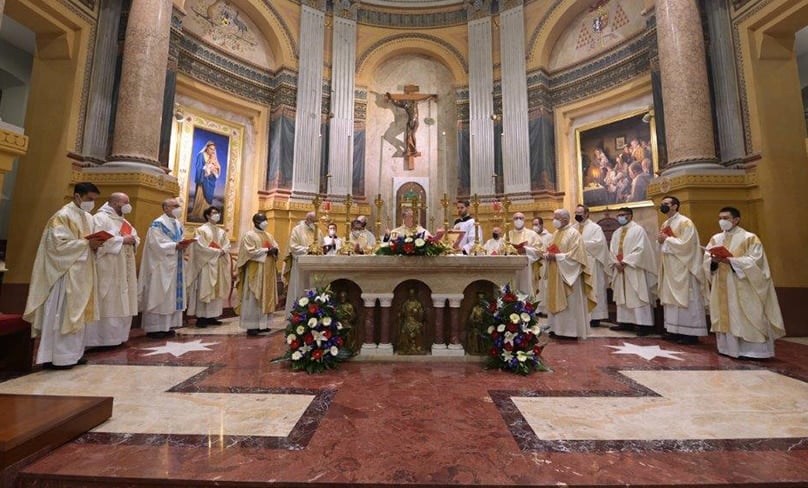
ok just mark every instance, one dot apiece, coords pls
pixel 36 423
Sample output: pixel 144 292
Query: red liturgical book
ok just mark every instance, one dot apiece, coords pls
pixel 126 229
pixel 214 245
pixel 668 231
pixel 267 245
pixel 101 234
pixel 720 252
pixel 620 257
pixel 553 249
pixel 187 241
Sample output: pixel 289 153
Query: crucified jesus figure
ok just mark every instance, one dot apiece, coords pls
pixel 409 102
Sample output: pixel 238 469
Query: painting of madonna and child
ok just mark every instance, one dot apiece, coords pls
pixel 207 176
pixel 618 159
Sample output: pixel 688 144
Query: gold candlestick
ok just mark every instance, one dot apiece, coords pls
pixel 315 247
pixel 346 248
pixel 508 250
pixel 477 249
pixel 445 204
pixel 379 204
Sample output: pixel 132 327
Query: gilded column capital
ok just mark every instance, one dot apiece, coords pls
pixel 346 9
pixel 13 142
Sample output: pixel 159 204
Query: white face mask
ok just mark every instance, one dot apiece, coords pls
pixel 356 233
pixel 622 220
pixel 518 224
pixel 215 218
pixel 537 229
pixel 557 223
pixel 263 225
pixel 87 206
pixel 725 224
pixel 176 212
pixel 127 208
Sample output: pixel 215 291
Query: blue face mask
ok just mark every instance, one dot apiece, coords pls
pixel 622 219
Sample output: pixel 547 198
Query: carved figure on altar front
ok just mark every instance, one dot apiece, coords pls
pixel 476 324
pixel 411 322
pixel 346 314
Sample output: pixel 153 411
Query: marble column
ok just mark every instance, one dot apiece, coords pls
pixel 99 103
pixel 725 82
pixel 455 347
pixel 439 344
pixel 369 347
pixel 140 101
pixel 481 100
pixel 385 347
pixel 688 116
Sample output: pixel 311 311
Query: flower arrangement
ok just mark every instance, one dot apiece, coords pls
pixel 513 334
pixel 315 336
pixel 412 245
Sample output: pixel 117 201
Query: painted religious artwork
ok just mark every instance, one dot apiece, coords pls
pixel 207 164
pixel 617 159
pixel 222 24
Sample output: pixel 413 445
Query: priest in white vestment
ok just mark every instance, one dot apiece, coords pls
pixel 209 276
pixel 62 297
pixel 303 236
pixel 599 261
pixel 161 284
pixel 408 227
pixel 331 242
pixel 466 224
pixel 744 310
pixel 116 274
pixel 569 285
pixel 681 280
pixel 362 240
pixel 257 279
pixel 634 277
pixel 495 244
pixel 527 243
pixel 546 238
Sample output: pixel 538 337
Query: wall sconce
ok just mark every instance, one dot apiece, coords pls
pixel 649 115
pixel 496 117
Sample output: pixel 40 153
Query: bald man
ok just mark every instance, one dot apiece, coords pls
pixel 304 234
pixel 162 273
pixel 494 245
pixel 116 275
pixel 569 286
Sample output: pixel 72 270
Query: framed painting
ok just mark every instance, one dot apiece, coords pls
pixel 207 165
pixel 617 159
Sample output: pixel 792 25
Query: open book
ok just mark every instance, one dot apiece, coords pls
pixel 668 231
pixel 187 241
pixel 553 249
pixel 719 252
pixel 101 234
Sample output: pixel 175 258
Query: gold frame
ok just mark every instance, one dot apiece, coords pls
pixel 182 161
pixel 603 123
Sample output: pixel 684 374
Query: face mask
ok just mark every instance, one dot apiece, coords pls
pixel 579 218
pixel 355 233
pixel 622 219
pixel 263 225
pixel 557 223
pixel 664 208
pixel 725 224
pixel 495 236
pixel 215 218
pixel 176 212
pixel 87 206
pixel 518 224
pixel 126 209
pixel 537 229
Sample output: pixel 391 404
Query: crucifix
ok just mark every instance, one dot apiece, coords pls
pixel 409 102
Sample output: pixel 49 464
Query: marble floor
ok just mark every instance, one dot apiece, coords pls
pixel 208 408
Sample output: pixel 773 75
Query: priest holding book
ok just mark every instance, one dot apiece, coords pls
pixel 161 293
pixel 256 283
pixel 681 279
pixel 62 297
pixel 209 270
pixel 527 243
pixel 569 285
pixel 598 260
pixel 116 273
pixel 744 310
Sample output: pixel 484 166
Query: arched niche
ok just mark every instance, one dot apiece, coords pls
pixel 389 47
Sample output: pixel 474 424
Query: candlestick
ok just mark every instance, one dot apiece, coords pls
pixel 346 248
pixel 379 203
pixel 508 250
pixel 315 247
pixel 476 249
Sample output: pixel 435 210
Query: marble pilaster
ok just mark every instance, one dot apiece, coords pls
pixel 385 345
pixel 725 82
pixel 369 347
pixel 688 116
pixel 455 346
pixel 143 76
pixel 439 344
pixel 481 105
pixel 99 102
pixel 341 123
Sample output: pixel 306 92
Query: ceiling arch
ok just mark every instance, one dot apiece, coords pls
pixel 549 29
pixel 412 43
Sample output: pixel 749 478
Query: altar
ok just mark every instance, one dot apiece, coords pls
pixel 446 285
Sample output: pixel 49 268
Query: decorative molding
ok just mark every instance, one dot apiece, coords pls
pixel 531 45
pixel 477 9
pixel 669 184
pixel 120 179
pixel 88 6
pixel 13 142
pixel 287 37
pixel 346 9
pixel 380 18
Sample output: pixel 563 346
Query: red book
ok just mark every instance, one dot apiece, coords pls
pixel 553 249
pixel 101 234
pixel 620 257
pixel 187 241
pixel 126 229
pixel 668 231
pixel 267 245
pixel 720 252
pixel 214 245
